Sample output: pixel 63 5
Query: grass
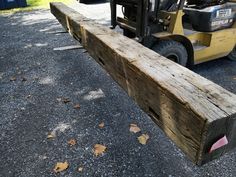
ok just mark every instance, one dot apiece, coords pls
pixel 45 3
pixel 34 4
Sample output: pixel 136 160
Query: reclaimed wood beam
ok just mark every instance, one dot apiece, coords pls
pixel 194 112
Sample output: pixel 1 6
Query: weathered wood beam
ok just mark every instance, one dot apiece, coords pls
pixel 193 111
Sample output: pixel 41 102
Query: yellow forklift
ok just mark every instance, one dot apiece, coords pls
pixel 185 31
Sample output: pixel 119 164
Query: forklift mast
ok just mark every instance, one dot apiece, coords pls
pixel 141 16
pixel 135 15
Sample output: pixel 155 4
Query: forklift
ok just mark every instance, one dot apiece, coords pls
pixel 187 32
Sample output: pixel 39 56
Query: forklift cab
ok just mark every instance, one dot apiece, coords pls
pixel 140 16
pixel 203 29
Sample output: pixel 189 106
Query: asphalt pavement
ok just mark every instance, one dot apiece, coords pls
pixel 39 87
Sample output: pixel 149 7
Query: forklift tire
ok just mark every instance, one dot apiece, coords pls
pixel 172 50
pixel 232 55
pixel 128 33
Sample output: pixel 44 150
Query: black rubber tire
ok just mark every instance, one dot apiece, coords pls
pixel 172 50
pixel 232 55
pixel 128 33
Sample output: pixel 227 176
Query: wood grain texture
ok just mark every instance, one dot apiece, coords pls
pixel 193 111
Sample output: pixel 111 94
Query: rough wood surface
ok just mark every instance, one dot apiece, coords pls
pixel 193 111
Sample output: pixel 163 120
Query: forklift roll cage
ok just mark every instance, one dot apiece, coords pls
pixel 153 21
pixel 145 9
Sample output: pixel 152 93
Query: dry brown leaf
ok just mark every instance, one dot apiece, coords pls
pixel 66 100
pixel 72 142
pixel 234 78
pixel 77 106
pixel 143 139
pixel 80 169
pixel 60 166
pixel 101 125
pixel 99 149
pixel 50 136
pixel 134 128
pixel 13 78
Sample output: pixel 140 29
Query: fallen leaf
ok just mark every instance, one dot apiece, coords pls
pixel 66 100
pixel 80 169
pixel 77 106
pixel 13 78
pixel 72 142
pixel 143 139
pixel 234 78
pixel 134 128
pixel 99 149
pixel 60 166
pixel 101 125
pixel 50 136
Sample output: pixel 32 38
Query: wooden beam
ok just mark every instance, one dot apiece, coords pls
pixel 192 111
